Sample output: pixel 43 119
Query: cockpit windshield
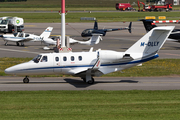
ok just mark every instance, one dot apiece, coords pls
pixel 37 58
pixel 21 34
pixel 4 22
pixel 87 31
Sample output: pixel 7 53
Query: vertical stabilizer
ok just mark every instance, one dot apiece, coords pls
pixel 148 24
pixel 151 42
pixel 47 32
pixel 95 25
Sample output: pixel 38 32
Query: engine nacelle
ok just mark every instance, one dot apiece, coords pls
pixel 110 56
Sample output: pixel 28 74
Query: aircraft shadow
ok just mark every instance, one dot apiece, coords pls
pixel 75 82
pixel 81 84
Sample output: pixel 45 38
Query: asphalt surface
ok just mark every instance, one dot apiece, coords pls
pixel 118 41
pixel 101 83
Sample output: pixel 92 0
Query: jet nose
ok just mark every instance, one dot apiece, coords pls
pixel 10 70
pixel 1 35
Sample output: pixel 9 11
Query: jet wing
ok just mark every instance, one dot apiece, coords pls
pixel 92 70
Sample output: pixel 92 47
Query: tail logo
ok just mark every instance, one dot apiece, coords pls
pixel 152 44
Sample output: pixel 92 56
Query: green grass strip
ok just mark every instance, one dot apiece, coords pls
pixel 86 105
pixel 100 16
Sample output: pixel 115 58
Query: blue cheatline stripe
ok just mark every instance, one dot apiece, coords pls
pixel 47 31
pixel 132 62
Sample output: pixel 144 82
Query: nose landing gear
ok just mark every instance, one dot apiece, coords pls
pixel 26 80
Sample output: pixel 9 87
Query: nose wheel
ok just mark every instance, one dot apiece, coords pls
pixel 26 80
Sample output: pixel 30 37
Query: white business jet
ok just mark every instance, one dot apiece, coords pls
pixel 22 37
pixel 95 63
pixel 95 39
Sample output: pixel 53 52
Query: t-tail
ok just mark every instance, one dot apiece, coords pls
pixel 149 44
pixel 148 24
pixel 47 32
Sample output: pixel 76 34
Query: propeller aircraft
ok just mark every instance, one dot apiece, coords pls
pixel 22 37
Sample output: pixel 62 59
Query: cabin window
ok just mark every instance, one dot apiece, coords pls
pixel 64 58
pixel 37 58
pixel 44 59
pixel 80 58
pixel 72 58
pixel 57 59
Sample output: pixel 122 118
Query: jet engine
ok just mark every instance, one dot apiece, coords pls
pixel 109 56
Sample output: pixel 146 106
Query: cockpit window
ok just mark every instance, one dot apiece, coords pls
pixel 37 58
pixel 87 31
pixel 44 59
pixel 4 22
pixel 26 35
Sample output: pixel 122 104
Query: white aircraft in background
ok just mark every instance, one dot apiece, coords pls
pixel 95 39
pixel 95 63
pixel 22 37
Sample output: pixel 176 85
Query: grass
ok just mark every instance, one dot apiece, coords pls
pixel 157 67
pixel 100 16
pixel 85 105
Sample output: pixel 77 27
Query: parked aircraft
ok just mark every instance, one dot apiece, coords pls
pixel 95 39
pixel 148 24
pixel 102 32
pixel 94 63
pixel 22 37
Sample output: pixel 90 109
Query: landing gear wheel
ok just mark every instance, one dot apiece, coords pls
pixel 17 43
pixel 26 80
pixel 91 81
pixel 22 44
pixel 84 79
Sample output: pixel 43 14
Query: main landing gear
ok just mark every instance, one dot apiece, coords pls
pixel 26 80
pixel 89 81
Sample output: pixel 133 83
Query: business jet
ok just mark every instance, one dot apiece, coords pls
pixel 86 65
pixel 95 30
pixel 22 37
pixel 149 24
pixel 95 39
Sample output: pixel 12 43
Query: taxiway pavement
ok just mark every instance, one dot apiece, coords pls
pixel 117 40
pixel 101 83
